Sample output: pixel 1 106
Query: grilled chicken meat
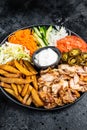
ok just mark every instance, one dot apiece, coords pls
pixel 62 85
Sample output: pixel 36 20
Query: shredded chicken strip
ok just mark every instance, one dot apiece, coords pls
pixel 62 85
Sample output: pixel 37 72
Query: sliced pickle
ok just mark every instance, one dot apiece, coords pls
pixel 74 52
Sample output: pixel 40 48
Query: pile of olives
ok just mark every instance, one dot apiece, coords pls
pixel 74 57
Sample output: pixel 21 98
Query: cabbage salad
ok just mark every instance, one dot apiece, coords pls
pixel 10 51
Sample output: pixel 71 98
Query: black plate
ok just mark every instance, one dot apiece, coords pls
pixel 32 106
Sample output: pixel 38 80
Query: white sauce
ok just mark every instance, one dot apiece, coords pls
pixel 46 57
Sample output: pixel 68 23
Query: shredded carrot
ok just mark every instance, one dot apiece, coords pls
pixel 25 38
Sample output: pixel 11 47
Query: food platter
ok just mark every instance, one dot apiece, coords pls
pixel 32 106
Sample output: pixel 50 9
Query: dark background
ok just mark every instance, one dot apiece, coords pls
pixel 72 14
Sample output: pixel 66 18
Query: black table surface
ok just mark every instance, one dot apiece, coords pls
pixel 72 14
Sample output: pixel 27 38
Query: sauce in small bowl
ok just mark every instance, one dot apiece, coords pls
pixel 46 57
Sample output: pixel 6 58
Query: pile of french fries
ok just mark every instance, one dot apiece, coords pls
pixel 18 78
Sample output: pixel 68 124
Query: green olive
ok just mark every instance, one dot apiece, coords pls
pixel 72 61
pixel 74 52
pixel 65 57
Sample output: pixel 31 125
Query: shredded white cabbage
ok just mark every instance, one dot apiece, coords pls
pixel 10 51
pixel 56 34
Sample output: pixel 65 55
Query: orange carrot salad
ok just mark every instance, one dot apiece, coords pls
pixel 70 42
pixel 24 37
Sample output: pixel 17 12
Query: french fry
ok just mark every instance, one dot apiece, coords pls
pixel 29 101
pixel 25 98
pixel 2 84
pixel 24 90
pixel 21 68
pixel 28 77
pixel 9 68
pixel 30 87
pixel 29 90
pixel 26 95
pixel 14 87
pixel 10 91
pixel 7 74
pixel 2 72
pixel 19 88
pixel 36 97
pixel 15 80
pixel 30 67
pixel 12 75
pixel 22 63
pixel 11 63
pixel 35 84
pixel 35 103
pixel 19 98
